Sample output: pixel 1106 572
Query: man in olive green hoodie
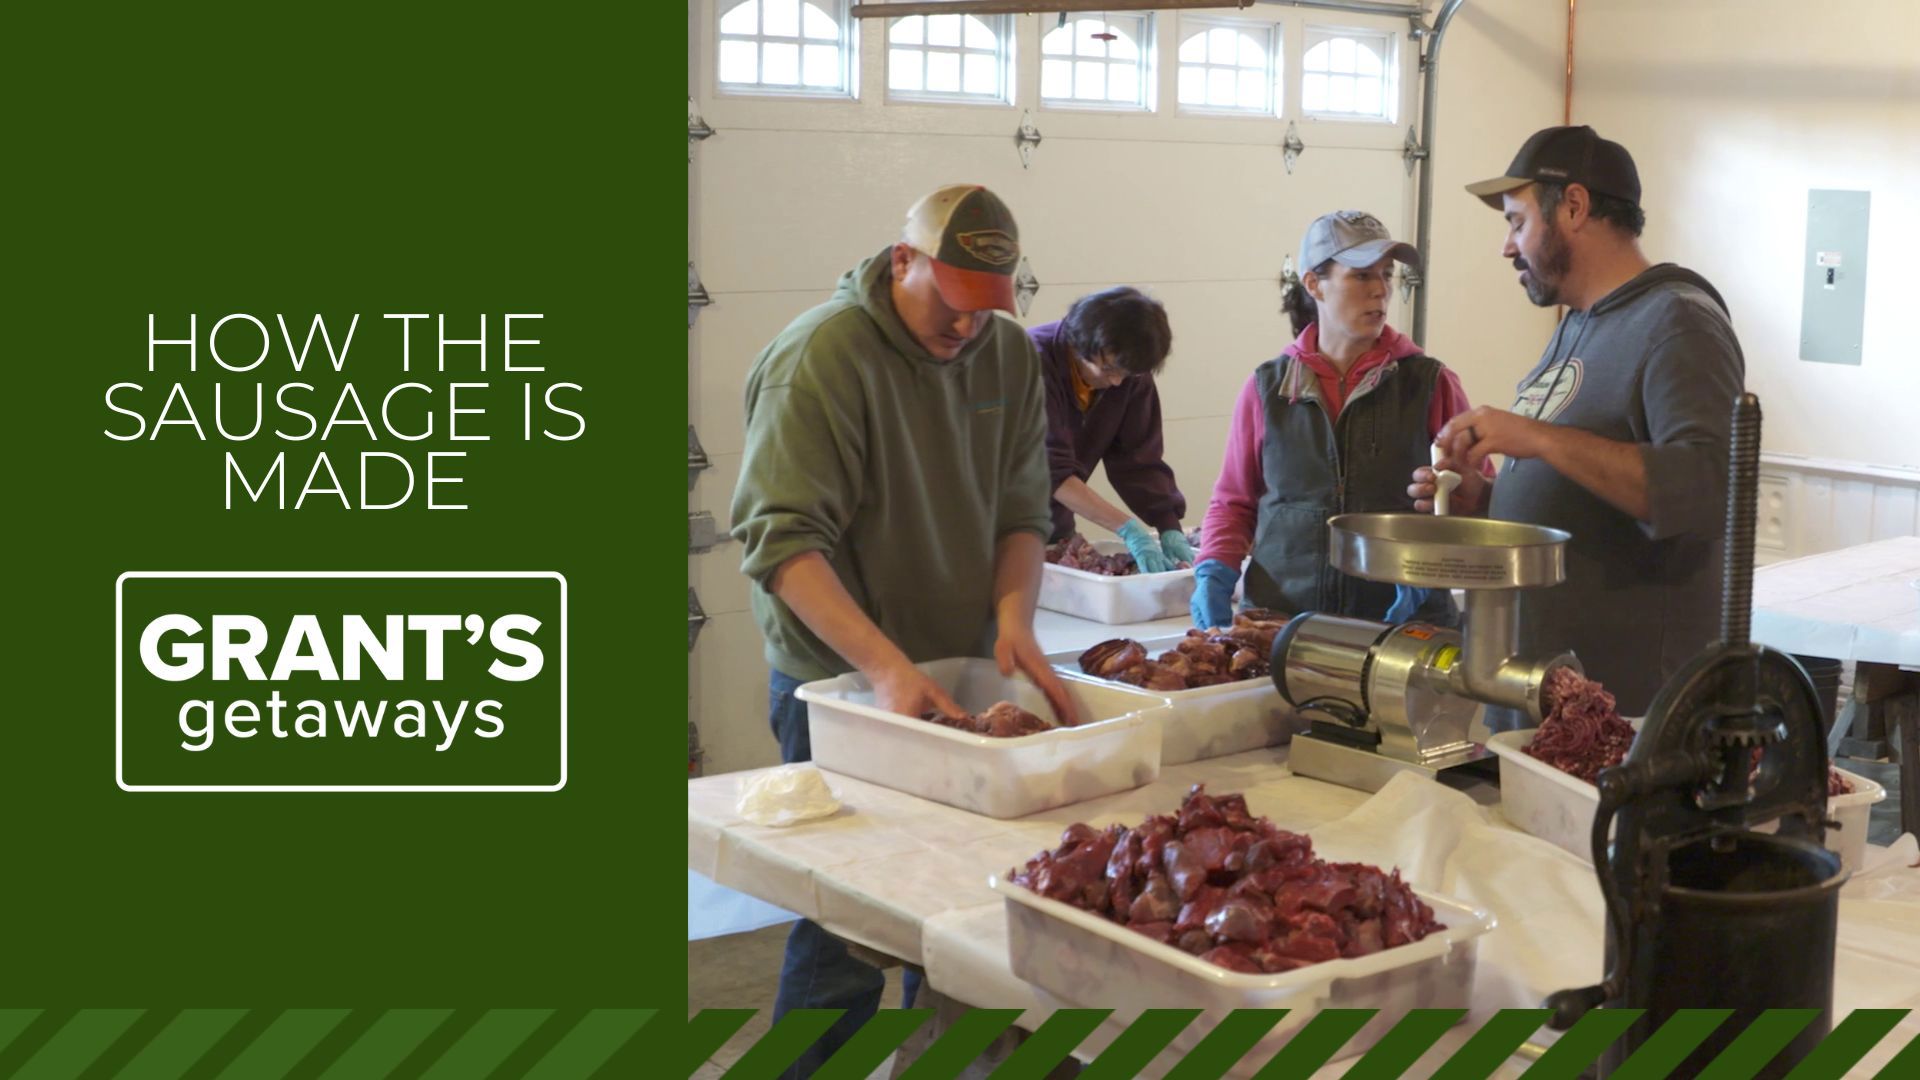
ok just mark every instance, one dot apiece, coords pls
pixel 893 505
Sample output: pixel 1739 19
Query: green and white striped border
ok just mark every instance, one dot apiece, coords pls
pixel 322 1044
pixel 602 1044
pixel 1316 1044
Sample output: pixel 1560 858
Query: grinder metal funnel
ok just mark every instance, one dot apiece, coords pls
pixel 1490 560
pixel 1384 699
pixel 1702 911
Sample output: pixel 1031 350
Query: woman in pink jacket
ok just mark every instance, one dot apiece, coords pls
pixel 1332 425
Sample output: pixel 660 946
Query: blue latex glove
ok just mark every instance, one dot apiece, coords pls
pixel 1213 594
pixel 1144 547
pixel 1174 543
pixel 1406 601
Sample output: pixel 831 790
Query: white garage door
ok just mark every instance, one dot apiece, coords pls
pixel 1196 207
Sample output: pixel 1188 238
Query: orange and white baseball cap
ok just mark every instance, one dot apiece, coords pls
pixel 974 244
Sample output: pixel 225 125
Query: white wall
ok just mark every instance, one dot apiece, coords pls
pixel 1810 505
pixel 1733 109
pixel 1501 79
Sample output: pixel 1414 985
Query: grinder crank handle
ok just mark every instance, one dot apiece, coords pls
pixel 1570 1005
pixel 1618 786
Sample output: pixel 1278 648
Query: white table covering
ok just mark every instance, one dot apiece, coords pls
pixel 1857 603
pixel 907 877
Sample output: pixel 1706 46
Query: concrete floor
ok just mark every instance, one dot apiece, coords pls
pixel 739 971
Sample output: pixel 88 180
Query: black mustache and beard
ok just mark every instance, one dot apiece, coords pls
pixel 1543 278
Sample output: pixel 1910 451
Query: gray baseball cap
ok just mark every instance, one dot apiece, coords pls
pixel 1352 238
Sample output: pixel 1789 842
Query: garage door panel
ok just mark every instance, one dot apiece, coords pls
pixel 716 573
pixel 1221 332
pixel 1208 212
pixel 1194 448
pixel 1192 213
pixel 732 696
pixel 731 334
pixel 795 210
pixel 1128 211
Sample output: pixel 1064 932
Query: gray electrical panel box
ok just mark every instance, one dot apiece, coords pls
pixel 1833 303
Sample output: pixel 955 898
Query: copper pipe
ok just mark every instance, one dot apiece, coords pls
pixel 1567 106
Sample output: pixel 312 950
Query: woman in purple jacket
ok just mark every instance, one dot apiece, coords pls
pixel 1098 365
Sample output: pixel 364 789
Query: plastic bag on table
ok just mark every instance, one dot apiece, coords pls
pixel 786 796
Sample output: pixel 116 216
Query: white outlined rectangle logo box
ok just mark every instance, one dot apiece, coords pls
pixel 119 672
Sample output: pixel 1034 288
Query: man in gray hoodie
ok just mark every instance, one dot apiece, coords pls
pixel 1619 434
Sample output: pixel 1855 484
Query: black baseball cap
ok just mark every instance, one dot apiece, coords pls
pixel 1566 155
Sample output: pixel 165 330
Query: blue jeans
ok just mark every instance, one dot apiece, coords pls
pixel 818 973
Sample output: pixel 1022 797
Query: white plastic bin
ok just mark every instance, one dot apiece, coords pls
pixel 1212 721
pixel 1136 598
pixel 1116 749
pixel 1089 961
pixel 1849 841
pixel 1540 799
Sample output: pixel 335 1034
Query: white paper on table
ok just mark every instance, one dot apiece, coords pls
pixel 1888 873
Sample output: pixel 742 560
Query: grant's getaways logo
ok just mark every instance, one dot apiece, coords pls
pixel 340 681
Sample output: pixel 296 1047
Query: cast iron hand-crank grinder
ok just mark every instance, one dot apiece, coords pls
pixel 1702 911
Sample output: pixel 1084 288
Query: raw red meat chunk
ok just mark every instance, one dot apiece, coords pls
pixel 1076 553
pixel 1230 888
pixel 1004 720
pixel 1202 658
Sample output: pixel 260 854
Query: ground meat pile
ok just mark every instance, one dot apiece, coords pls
pixel 1004 720
pixel 1075 553
pixel 1582 733
pixel 1230 888
pixel 1202 658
